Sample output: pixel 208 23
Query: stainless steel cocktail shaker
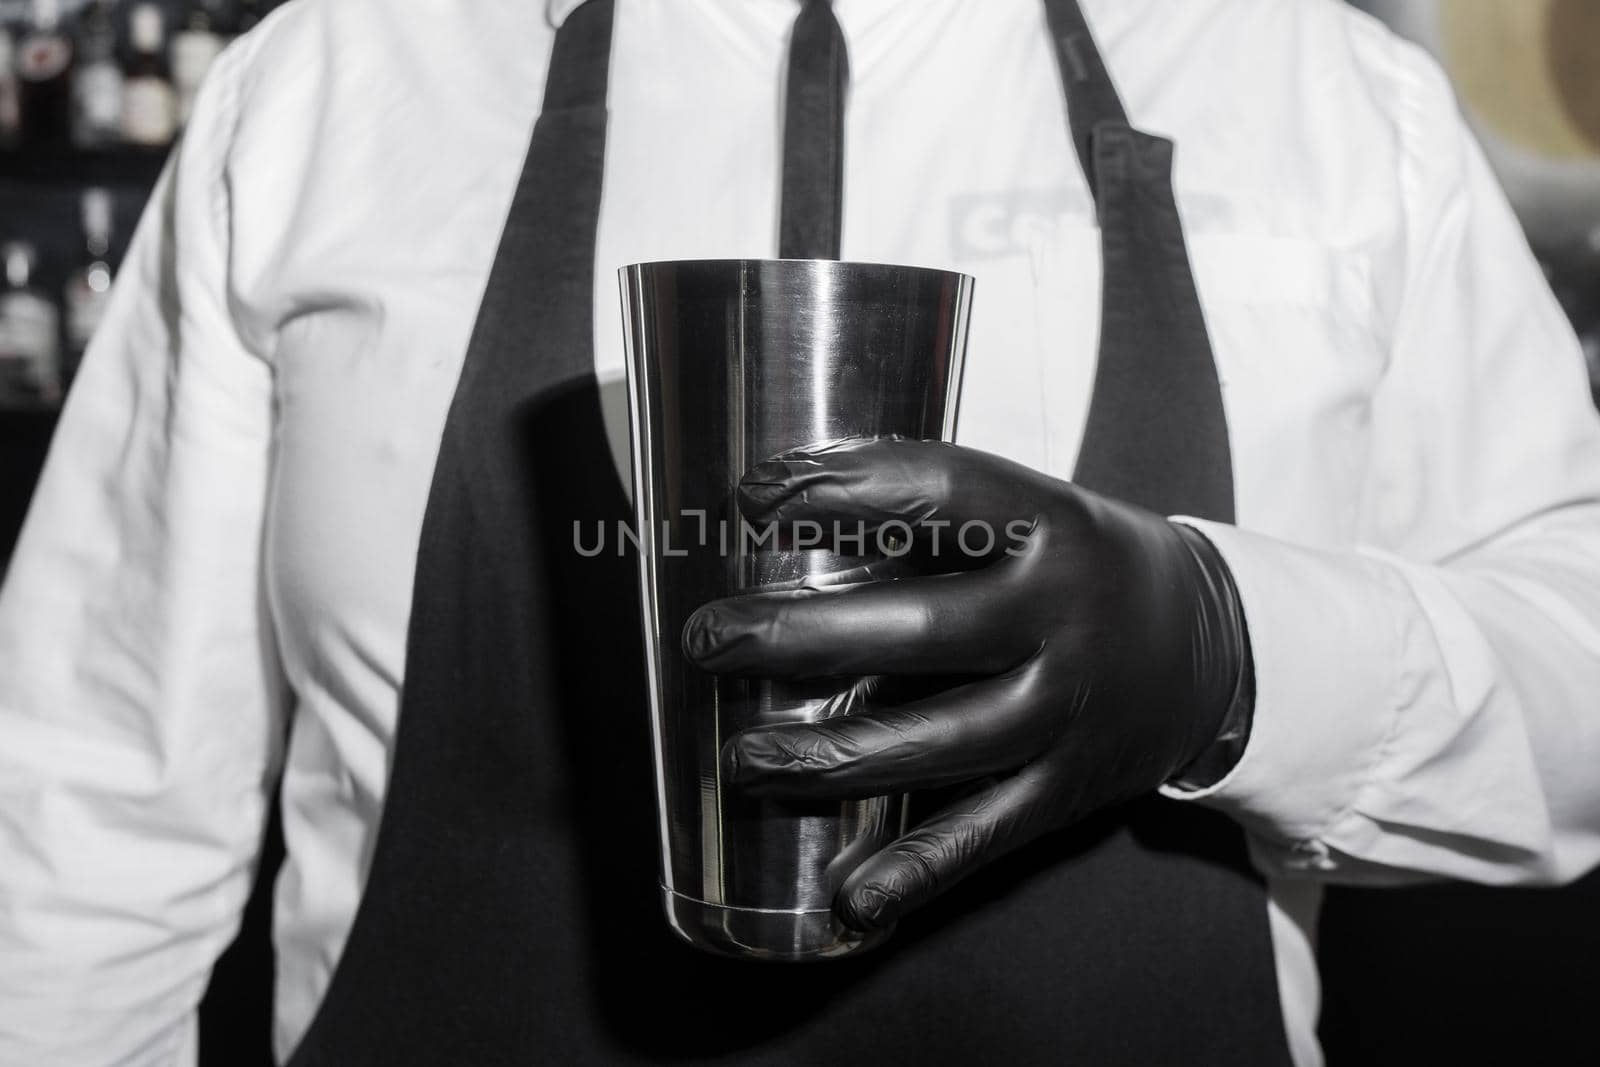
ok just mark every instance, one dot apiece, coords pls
pixel 729 363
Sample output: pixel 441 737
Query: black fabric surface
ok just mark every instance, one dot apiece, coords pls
pixel 511 914
pixel 464 851
pixel 1156 434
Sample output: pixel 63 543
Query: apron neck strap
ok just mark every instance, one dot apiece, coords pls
pixel 1092 98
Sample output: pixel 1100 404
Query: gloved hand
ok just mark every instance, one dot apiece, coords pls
pixel 1094 650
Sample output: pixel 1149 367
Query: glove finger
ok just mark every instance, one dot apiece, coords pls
pixel 929 860
pixel 944 624
pixel 882 480
pixel 983 728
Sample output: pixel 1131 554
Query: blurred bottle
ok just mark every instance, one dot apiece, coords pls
pixel 30 347
pixel 88 288
pixel 194 48
pixel 10 102
pixel 149 103
pixel 96 80
pixel 44 74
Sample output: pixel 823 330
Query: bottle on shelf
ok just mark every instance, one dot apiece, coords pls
pixel 30 347
pixel 44 76
pixel 194 48
pixel 149 103
pixel 88 288
pixel 10 96
pixel 96 79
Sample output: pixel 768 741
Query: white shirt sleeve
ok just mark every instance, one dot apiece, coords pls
pixel 1429 703
pixel 141 707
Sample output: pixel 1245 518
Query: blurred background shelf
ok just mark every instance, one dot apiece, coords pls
pixel 92 95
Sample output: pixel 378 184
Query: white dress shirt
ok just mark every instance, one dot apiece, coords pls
pixel 215 580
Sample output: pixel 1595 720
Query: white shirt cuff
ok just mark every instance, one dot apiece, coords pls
pixel 1326 635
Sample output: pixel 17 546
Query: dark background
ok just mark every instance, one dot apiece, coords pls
pixel 1440 974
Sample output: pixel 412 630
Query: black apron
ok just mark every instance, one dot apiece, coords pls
pixel 511 914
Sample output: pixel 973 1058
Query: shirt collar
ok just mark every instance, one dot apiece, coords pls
pixel 556 11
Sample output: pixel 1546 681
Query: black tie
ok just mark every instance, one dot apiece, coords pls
pixel 813 136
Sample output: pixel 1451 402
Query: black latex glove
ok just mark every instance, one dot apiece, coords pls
pixel 1093 653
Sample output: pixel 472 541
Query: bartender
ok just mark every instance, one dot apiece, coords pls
pixel 1309 592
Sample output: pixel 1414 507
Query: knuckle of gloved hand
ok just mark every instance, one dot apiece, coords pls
pixel 1027 716
pixel 1073 522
